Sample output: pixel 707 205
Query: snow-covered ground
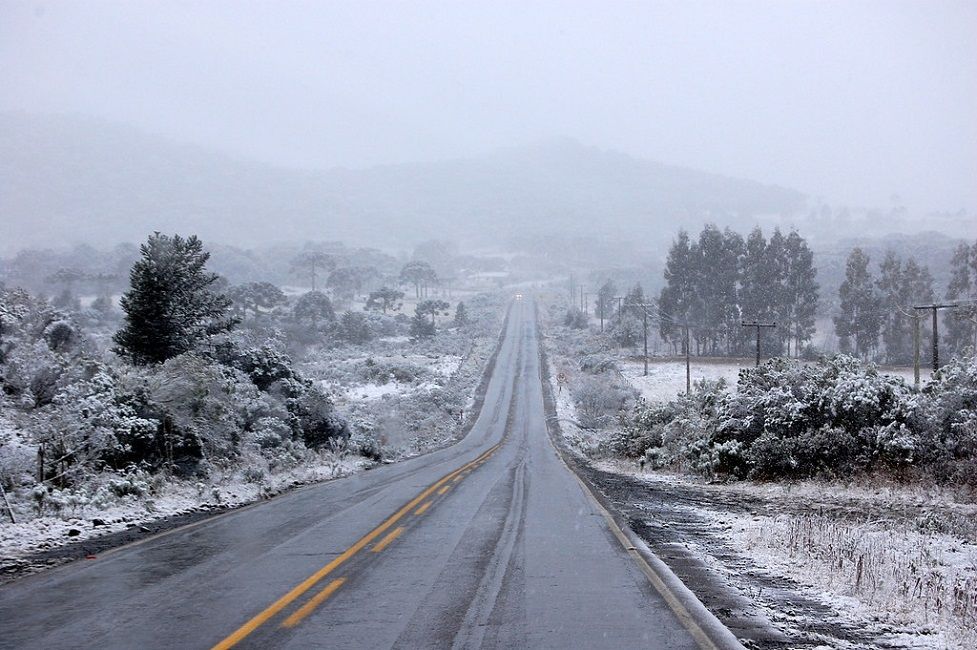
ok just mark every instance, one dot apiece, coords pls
pixel 810 564
pixel 666 378
pixel 431 372
pixel 897 562
pixel 163 499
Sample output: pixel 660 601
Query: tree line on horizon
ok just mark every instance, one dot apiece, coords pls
pixel 717 281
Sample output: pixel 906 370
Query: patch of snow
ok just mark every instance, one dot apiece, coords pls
pixel 666 379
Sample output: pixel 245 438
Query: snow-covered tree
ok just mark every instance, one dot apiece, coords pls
pixel 461 315
pixel 170 307
pixel 353 327
pixel 419 274
pixel 800 293
pixel 310 265
pixel 255 297
pixel 960 330
pixel 860 317
pixel 424 322
pixel 385 299
pixel 312 308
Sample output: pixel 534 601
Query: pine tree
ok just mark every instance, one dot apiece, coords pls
pixel 728 265
pixel 900 287
pixel 859 321
pixel 605 300
pixel 461 315
pixel 714 289
pixel 891 284
pixel 311 265
pixel 760 289
pixel 678 295
pixel 778 301
pixel 800 293
pixel 917 289
pixel 629 327
pixel 313 307
pixel 170 306
pixel 960 330
pixel 419 274
pixel 385 298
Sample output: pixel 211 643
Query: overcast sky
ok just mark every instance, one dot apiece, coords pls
pixel 852 101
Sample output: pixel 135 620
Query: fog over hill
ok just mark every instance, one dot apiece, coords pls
pixel 73 179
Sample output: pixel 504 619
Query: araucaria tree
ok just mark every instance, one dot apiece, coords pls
pixel 385 299
pixel 419 274
pixel 311 265
pixel 860 319
pixel 420 325
pixel 170 306
pixel 313 308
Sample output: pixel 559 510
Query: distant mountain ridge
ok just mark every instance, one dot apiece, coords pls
pixel 66 179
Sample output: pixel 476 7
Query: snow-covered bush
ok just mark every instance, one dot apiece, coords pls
pixel 949 403
pixel 597 363
pixel 642 430
pixel 354 327
pixel 315 418
pixel 832 418
pixel 600 399
pixel 17 464
pixel 575 319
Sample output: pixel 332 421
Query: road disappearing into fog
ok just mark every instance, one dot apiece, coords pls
pixel 492 543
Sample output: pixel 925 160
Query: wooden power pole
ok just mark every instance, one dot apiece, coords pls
pixel 934 308
pixel 758 325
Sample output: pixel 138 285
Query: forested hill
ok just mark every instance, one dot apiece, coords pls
pixel 69 179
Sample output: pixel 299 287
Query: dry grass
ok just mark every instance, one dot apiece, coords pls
pixel 897 573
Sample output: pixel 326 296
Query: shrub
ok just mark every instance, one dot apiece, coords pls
pixel 833 418
pixel 575 319
pixel 600 401
pixel 597 363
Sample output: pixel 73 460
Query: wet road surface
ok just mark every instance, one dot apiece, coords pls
pixel 490 543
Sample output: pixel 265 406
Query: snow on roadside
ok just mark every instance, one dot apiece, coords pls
pixel 172 498
pixel 581 441
pixel 899 562
pixel 917 589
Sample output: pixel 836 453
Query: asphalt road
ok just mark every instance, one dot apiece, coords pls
pixel 490 543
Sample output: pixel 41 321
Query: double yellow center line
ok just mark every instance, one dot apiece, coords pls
pixel 260 619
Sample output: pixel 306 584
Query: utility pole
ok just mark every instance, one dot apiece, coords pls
pixel 10 511
pixel 934 308
pixel 758 325
pixel 916 350
pixel 644 321
pixel 688 362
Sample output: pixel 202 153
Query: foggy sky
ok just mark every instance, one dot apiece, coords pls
pixel 864 103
